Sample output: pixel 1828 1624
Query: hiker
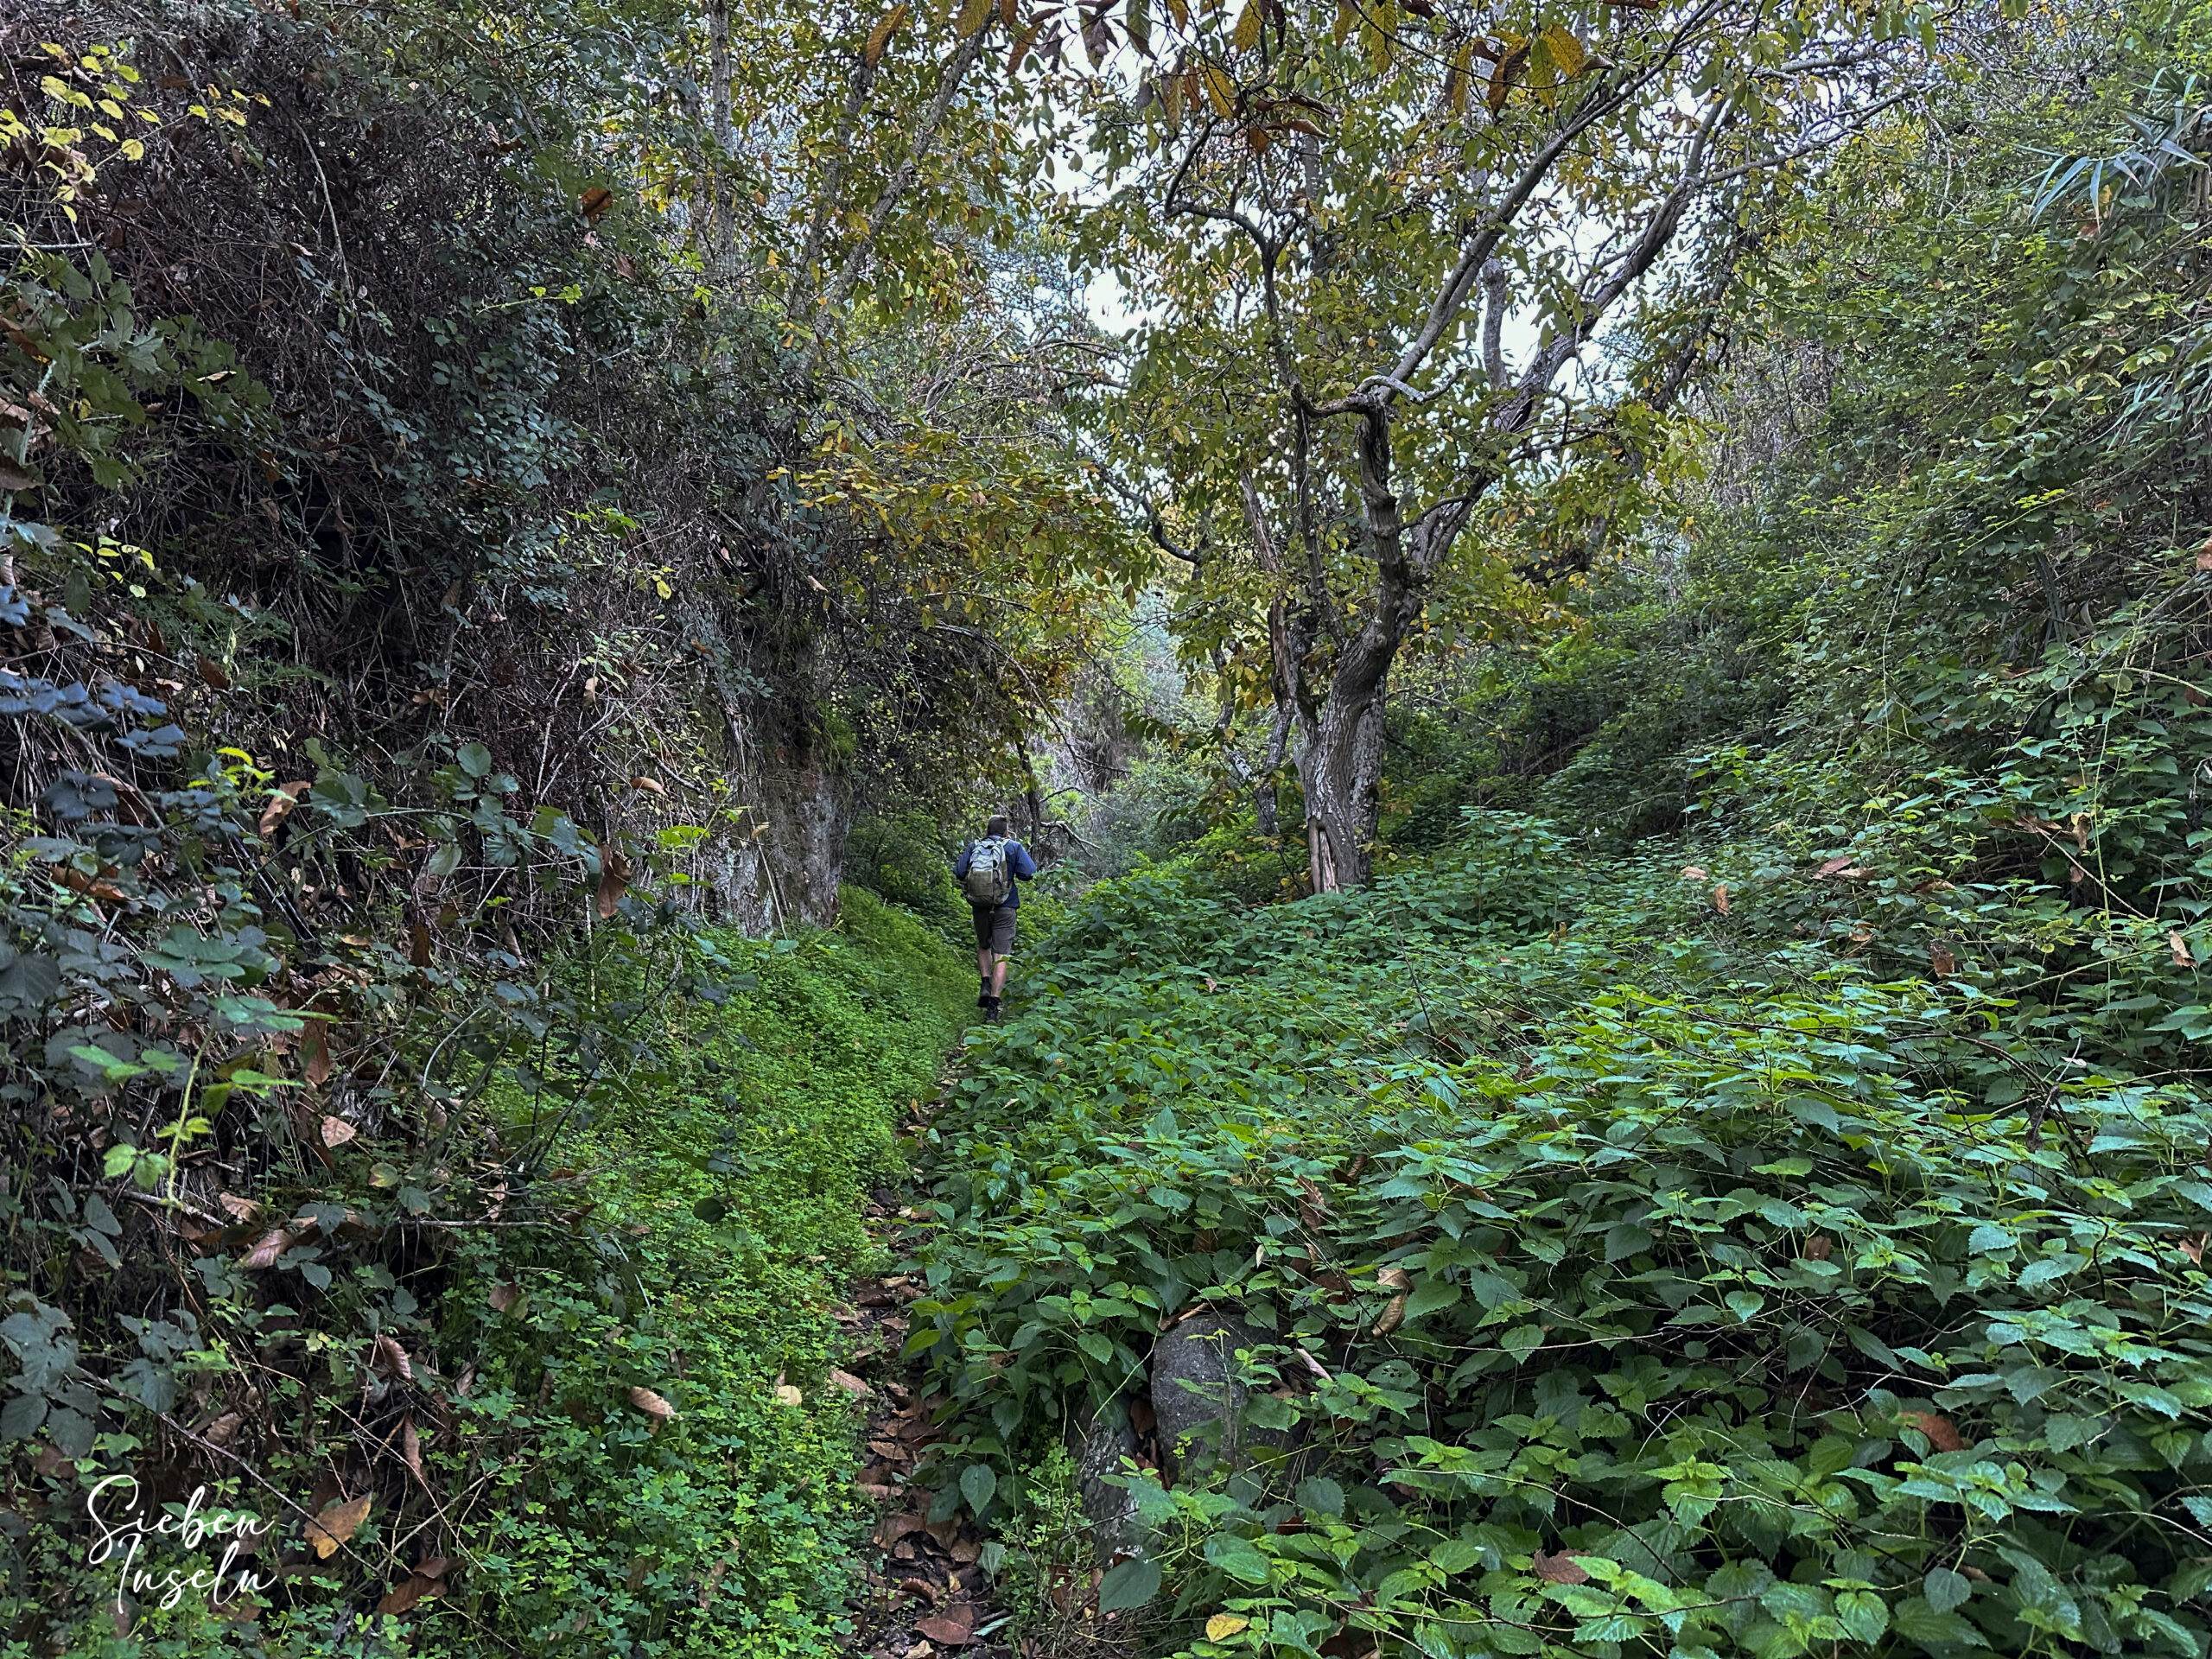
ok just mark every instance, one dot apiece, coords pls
pixel 990 872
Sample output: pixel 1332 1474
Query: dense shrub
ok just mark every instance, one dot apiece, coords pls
pixel 1636 1273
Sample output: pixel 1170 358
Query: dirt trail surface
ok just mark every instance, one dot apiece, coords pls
pixel 923 1593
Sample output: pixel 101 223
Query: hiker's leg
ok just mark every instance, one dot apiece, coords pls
pixel 986 920
pixel 1002 948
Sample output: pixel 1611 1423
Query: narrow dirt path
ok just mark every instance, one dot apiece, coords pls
pixel 923 1592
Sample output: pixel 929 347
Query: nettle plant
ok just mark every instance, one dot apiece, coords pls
pixel 1615 1274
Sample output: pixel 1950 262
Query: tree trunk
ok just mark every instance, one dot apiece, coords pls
pixel 1339 755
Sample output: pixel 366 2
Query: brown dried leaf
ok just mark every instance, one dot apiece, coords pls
pixel 655 1406
pixel 504 1297
pixel 2180 947
pixel 850 1384
pixel 650 785
pixel 1693 873
pixel 280 804
pixel 1720 899
pixel 1940 962
pixel 613 882
pixel 271 1245
pixel 953 1627
pixel 1395 1279
pixel 335 1524
pixel 1941 1433
pixel 315 1051
pixel 213 674
pixel 1818 1248
pixel 415 1587
pixel 336 1132
pixel 410 1451
pixel 1559 1568
pixel 236 1208
pixel 594 201
pixel 389 1358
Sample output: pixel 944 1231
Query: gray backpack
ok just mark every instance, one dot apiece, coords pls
pixel 990 876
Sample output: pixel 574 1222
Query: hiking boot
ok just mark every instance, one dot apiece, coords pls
pixel 991 1010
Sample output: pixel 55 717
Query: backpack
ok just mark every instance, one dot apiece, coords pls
pixel 990 878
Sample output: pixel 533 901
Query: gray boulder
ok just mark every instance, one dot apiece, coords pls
pixel 1100 1444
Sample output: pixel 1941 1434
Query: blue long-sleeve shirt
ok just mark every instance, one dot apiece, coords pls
pixel 1019 864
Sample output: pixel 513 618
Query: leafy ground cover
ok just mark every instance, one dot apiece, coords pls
pixel 1627 1267
pixel 642 1455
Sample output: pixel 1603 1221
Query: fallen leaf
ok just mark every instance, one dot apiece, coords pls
pixel 2179 946
pixel 410 1451
pixel 1720 899
pixel 1818 1248
pixel 850 1384
pixel 1693 873
pixel 650 785
pixel 1940 962
pixel 415 1587
pixel 315 1051
pixel 954 1627
pixel 654 1406
pixel 504 1297
pixel 1222 1626
pixel 2194 1248
pixel 613 882
pixel 1836 866
pixel 335 1524
pixel 280 804
pixel 1560 1569
pixel 336 1132
pixel 236 1208
pixel 788 1395
pixel 223 1430
pixel 387 1357
pixel 1941 1433
pixel 594 201
pixel 212 675
pixel 271 1245
pixel 1391 1318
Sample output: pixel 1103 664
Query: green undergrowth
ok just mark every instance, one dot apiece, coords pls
pixel 620 1475
pixel 735 1190
pixel 1636 1267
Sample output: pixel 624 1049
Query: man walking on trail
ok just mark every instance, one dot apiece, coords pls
pixel 990 872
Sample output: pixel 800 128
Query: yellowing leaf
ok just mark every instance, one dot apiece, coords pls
pixel 1222 1626
pixel 1567 54
pixel 1221 91
pixel 879 36
pixel 1247 34
pixel 335 1525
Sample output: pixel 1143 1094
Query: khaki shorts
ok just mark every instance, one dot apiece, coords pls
pixel 994 928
